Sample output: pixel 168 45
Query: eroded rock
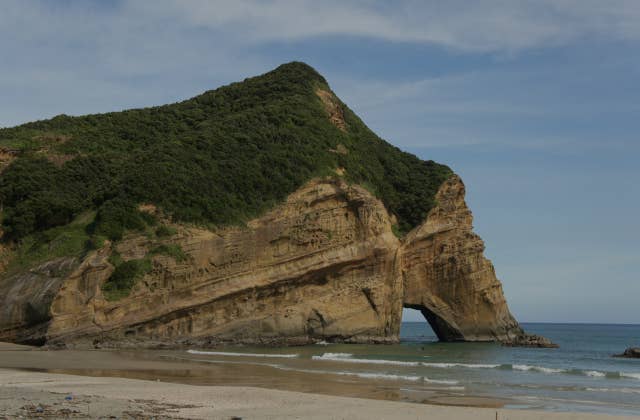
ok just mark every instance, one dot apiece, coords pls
pixel 322 266
pixel 447 277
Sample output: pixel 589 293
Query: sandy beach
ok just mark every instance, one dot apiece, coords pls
pixel 32 394
pixel 37 383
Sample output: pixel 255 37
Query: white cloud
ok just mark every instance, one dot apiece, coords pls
pixel 168 49
pixel 485 25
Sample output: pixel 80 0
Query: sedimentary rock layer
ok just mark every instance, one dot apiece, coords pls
pixel 324 265
pixel 447 277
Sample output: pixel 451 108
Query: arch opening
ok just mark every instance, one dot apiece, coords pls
pixel 414 328
pixel 440 327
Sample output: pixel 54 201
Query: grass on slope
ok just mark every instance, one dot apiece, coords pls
pixel 71 240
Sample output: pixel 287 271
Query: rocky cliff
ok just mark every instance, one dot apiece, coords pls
pixel 446 276
pixel 99 244
pixel 323 265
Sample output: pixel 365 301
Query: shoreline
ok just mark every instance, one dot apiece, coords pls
pixel 247 379
pixel 26 394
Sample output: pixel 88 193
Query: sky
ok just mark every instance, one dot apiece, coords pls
pixel 536 104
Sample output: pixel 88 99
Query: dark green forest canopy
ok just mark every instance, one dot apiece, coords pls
pixel 220 158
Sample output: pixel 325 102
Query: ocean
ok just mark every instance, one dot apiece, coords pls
pixel 581 375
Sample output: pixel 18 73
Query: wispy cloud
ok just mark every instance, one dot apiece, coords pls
pixel 484 25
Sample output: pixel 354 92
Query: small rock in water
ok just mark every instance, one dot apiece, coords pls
pixel 530 340
pixel 631 352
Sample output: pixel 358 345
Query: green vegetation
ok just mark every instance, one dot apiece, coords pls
pixel 127 273
pixel 172 250
pixel 70 240
pixel 220 158
pixel 396 231
pixel 164 231
pixel 124 277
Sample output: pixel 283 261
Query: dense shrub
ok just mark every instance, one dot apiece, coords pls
pixel 115 217
pixel 172 250
pixel 220 158
pixel 124 277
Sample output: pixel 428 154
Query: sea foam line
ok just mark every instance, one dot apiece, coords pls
pixel 595 373
pixel 538 369
pixel 348 358
pixel 621 390
pixel 463 365
pixel 225 353
pixel 372 375
pixel 630 375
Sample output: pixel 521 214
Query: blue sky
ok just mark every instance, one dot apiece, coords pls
pixel 536 104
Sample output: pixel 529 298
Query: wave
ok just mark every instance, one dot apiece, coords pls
pixel 621 390
pixel 348 358
pixel 595 373
pixel 591 373
pixel 368 375
pixel 378 376
pixel 630 375
pixel 225 353
pixel 463 365
pixel 538 369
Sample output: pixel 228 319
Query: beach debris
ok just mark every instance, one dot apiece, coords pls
pixel 69 397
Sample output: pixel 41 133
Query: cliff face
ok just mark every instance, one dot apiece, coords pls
pixel 324 265
pixel 447 277
pixel 319 266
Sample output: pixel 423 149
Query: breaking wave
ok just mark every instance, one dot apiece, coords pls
pixel 348 358
pixel 225 353
pixel 538 369
pixel 462 365
pixel 595 373
pixel 621 390
pixel 630 375
pixel 373 375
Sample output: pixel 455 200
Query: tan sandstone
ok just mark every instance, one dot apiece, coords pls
pixel 324 265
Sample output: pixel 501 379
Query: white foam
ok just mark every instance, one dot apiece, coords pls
pixel 622 390
pixel 225 353
pixel 322 343
pixel 537 369
pixel 380 376
pixel 463 365
pixel 630 375
pixel 337 355
pixel 441 381
pixel 367 375
pixel 595 373
pixel 372 375
pixel 347 358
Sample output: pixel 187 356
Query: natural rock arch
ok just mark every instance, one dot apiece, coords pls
pixel 446 276
pixel 441 328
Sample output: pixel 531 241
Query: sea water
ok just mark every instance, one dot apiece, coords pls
pixel 581 375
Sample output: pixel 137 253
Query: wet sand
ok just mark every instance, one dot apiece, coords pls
pixel 164 384
pixel 32 394
pixel 177 367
